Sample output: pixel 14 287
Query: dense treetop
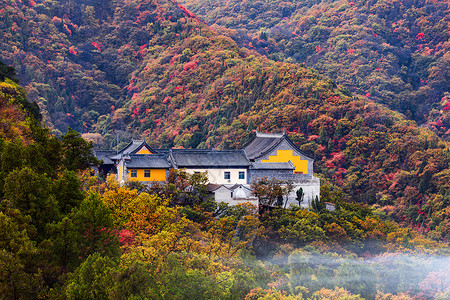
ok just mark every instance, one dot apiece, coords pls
pixel 65 234
pixel 151 69
pixel 394 52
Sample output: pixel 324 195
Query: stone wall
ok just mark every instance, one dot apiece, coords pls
pixel 311 189
pixel 284 145
pixel 278 174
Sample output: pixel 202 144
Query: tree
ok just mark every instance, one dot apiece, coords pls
pixel 67 191
pixel 269 191
pixel 78 153
pixel 181 282
pixel 303 230
pixel 318 205
pixel 64 243
pixel 280 200
pixel 31 193
pixel 19 277
pixel 133 279
pixel 335 294
pixel 92 279
pixel 288 187
pixel 94 227
pixel 356 277
pixel 7 72
pixel 183 188
pixel 300 271
pixel 300 196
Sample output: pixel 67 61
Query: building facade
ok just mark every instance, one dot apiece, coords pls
pixel 264 155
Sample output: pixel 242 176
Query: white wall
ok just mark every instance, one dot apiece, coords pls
pixel 223 194
pixel 217 176
pixel 311 189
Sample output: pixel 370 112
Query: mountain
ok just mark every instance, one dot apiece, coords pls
pixel 152 69
pixel 15 110
pixel 67 234
pixel 394 52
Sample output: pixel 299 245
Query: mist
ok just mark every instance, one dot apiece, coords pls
pixel 422 276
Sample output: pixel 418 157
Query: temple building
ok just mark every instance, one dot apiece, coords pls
pixel 229 172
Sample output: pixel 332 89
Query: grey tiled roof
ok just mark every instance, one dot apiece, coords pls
pixel 211 187
pixel 209 158
pixel 148 161
pixel 132 148
pixel 259 145
pixel 104 155
pixel 262 143
pixel 273 166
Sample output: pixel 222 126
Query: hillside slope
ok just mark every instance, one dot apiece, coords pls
pixel 15 110
pixel 394 52
pixel 151 69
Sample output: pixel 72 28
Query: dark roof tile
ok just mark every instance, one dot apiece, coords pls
pixel 148 161
pixel 263 143
pixel 209 158
pixel 273 166
pixel 104 155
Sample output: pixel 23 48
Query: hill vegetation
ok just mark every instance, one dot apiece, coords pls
pixel 66 235
pixel 393 52
pixel 152 69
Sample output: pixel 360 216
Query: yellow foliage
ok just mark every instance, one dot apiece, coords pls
pixel 336 294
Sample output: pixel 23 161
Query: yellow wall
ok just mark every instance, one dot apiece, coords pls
pixel 120 175
pixel 143 150
pixel 288 155
pixel 155 175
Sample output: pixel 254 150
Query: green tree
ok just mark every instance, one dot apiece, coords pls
pixel 300 195
pixel 67 191
pixel 357 278
pixel 92 279
pixel 318 205
pixel 180 282
pixel 63 243
pixel 7 72
pixel 300 272
pixel 31 193
pixel 19 276
pixel 280 200
pixel 134 280
pixel 78 153
pixel 94 225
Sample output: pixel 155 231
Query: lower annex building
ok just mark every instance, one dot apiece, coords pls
pixel 229 172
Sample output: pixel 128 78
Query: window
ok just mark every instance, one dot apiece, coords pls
pixel 146 173
pixel 133 173
pixel 241 175
pixel 227 175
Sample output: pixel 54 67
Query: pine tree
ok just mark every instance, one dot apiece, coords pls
pixel 300 195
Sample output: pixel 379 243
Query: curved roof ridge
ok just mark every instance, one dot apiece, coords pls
pixel 262 143
pixel 270 135
pixel 206 150
pixel 147 155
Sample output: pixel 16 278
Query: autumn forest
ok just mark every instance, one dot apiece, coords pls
pixel 360 86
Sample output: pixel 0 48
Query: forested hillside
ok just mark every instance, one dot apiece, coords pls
pixel 67 235
pixel 394 52
pixel 151 69
pixel 15 110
